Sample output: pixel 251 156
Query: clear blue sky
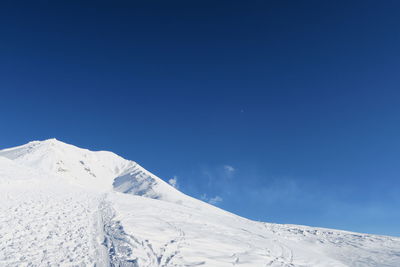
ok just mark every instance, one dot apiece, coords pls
pixel 280 111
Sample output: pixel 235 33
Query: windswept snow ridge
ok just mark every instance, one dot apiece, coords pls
pixel 66 206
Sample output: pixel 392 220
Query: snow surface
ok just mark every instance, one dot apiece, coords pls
pixel 66 206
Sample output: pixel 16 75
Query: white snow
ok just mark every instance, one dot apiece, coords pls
pixel 66 206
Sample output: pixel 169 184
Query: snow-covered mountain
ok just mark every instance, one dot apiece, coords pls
pixel 66 206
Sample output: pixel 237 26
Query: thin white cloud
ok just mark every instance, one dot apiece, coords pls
pixel 229 169
pixel 204 197
pixel 213 201
pixel 174 182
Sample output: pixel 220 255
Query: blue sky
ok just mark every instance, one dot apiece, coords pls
pixel 280 111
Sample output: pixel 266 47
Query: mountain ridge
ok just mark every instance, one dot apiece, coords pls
pixel 64 205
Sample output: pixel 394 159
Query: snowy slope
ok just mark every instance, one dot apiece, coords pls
pixel 66 206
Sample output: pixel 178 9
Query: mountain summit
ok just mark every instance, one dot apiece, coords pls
pixel 67 206
pixel 97 170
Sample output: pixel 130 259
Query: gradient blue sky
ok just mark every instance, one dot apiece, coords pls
pixel 280 111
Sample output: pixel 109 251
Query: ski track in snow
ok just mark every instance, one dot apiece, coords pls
pixel 282 255
pixel 127 250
